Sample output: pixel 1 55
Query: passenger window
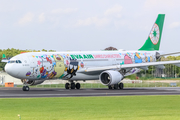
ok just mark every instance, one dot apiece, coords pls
pixel 19 61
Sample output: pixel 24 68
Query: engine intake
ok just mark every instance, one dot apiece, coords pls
pixel 110 77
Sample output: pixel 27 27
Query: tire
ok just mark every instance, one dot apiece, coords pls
pixel 27 88
pixel 78 85
pixel 24 88
pixel 67 85
pixel 121 85
pixel 115 86
pixel 110 87
pixel 73 85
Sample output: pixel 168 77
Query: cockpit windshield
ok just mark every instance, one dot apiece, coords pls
pixel 14 61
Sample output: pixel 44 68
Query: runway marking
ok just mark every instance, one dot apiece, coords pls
pixel 88 94
pixel 40 92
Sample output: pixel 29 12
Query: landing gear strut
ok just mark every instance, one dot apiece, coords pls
pixel 72 85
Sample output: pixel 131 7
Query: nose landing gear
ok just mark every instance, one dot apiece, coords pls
pixel 25 88
pixel 25 83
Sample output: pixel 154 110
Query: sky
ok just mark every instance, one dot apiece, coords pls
pixel 81 25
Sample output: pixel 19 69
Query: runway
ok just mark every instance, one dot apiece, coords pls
pixel 55 92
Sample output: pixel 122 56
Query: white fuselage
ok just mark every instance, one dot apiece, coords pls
pixel 69 65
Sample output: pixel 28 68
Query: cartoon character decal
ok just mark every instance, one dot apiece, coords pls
pixel 151 59
pixel 137 58
pixel 59 67
pixel 146 59
pixel 127 59
pixel 63 66
pixel 82 64
pixel 72 68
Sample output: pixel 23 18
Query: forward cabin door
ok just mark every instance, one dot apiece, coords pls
pixel 32 62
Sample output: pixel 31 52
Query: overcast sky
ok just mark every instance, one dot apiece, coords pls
pixel 86 25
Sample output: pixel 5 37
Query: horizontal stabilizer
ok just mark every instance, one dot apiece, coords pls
pixel 4 61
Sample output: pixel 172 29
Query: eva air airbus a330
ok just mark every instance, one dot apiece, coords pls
pixel 110 67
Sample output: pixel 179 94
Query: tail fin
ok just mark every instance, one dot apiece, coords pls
pixel 4 59
pixel 154 38
pixel 3 56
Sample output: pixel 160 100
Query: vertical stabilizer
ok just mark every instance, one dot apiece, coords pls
pixel 3 56
pixel 154 38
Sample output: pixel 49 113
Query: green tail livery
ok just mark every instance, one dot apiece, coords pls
pixel 3 56
pixel 154 38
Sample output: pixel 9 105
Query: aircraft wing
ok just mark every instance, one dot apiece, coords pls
pixel 127 66
pixel 170 54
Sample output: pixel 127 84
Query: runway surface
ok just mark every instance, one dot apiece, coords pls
pixel 54 92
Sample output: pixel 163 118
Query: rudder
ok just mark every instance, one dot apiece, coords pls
pixel 154 38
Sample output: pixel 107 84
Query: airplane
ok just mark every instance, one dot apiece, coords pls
pixel 110 67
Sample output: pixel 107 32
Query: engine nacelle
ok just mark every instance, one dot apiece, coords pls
pixel 110 77
pixel 32 82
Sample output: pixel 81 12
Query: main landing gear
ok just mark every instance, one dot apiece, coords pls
pixel 72 85
pixel 25 88
pixel 116 86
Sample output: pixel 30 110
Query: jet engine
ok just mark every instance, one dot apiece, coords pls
pixel 110 77
pixel 32 82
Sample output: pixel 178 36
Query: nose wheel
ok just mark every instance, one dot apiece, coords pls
pixel 25 88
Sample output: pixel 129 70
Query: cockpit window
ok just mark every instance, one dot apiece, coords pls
pixel 19 61
pixel 14 61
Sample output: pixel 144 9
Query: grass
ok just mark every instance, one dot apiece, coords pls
pixel 96 108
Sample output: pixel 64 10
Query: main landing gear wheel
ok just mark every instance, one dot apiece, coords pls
pixel 78 85
pixel 73 85
pixel 67 85
pixel 115 86
pixel 110 87
pixel 25 88
pixel 121 85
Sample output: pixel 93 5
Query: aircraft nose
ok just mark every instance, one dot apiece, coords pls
pixel 6 68
pixel 11 70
